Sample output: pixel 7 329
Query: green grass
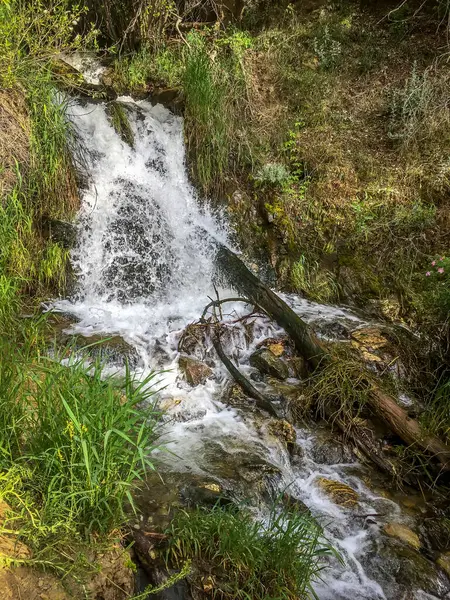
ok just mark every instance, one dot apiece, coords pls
pixel 248 558
pixel 85 438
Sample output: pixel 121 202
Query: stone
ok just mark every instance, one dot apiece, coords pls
pixel 299 367
pixel 195 372
pixel 403 534
pixel 266 362
pixel 283 430
pixel 444 562
pixel 338 492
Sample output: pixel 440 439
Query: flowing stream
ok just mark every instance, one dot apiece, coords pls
pixel 145 269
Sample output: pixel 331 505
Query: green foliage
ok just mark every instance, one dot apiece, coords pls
pixel 410 106
pixel 327 49
pixel 340 389
pixel 32 32
pixel 84 438
pixel 437 288
pixel 279 558
pixel 436 417
pixel 133 72
pixel 317 284
pixel 274 174
pixel 119 120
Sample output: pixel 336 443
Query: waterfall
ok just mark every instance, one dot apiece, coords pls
pixel 145 267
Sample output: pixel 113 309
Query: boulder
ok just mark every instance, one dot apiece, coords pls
pixel 403 534
pixel 266 362
pixel 195 371
pixel 338 492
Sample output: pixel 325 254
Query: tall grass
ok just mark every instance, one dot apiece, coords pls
pixel 277 559
pixel 83 438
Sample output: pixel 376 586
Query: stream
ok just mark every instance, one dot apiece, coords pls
pixel 145 269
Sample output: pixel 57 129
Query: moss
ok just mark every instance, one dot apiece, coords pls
pixel 119 120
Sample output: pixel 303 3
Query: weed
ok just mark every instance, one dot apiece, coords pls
pixel 272 174
pixel 84 437
pixel 327 49
pixel 119 120
pixel 410 105
pixel 280 558
pixel 317 284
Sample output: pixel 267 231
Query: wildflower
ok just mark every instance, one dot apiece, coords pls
pixel 70 429
pixel 433 263
pixel 440 270
pixel 427 273
pixel 441 259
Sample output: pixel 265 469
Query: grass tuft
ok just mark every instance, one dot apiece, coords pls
pixel 247 558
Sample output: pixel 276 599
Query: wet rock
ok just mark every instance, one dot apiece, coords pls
pixel 444 562
pixel 339 492
pixel 266 362
pixel 193 341
pixel 234 396
pixel 327 450
pixel 402 533
pixel 61 232
pixel 111 350
pixel 414 571
pixel 284 431
pixel 194 371
pixel 285 391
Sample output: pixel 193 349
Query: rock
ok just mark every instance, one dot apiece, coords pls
pixel 196 372
pixel 62 232
pixel 283 430
pixel 444 562
pixel 402 533
pixel 327 450
pixel 338 492
pixel 234 396
pixel 265 361
pixel 404 571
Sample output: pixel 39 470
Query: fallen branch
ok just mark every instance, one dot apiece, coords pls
pixel 241 380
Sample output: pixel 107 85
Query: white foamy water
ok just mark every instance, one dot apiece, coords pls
pixel 145 267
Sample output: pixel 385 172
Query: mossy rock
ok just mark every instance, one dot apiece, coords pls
pixel 403 534
pixel 444 562
pixel 195 372
pixel 339 492
pixel 117 113
pixel 266 362
pixel 284 431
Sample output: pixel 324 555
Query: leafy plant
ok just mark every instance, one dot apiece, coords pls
pixel 272 174
pixel 327 49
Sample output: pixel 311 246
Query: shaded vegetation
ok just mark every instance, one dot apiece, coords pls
pixel 248 558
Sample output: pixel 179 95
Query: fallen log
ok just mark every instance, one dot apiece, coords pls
pixel 243 280
pixel 382 404
pixel 241 380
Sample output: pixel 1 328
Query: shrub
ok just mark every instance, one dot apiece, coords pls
pixel 410 106
pixel 279 558
pixel 272 174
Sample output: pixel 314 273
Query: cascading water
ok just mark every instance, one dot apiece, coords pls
pixel 145 267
